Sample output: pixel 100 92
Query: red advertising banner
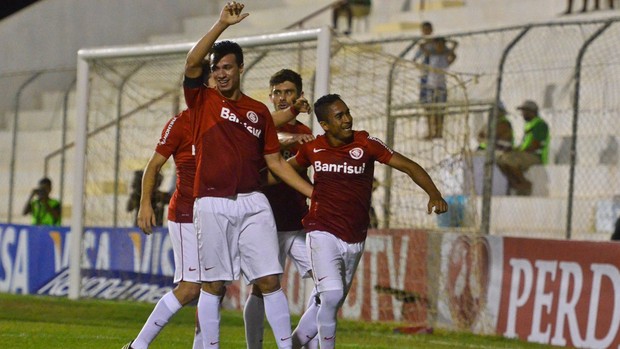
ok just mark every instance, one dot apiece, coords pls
pixel 564 293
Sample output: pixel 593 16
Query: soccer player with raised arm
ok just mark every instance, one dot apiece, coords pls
pixel 233 136
pixel 343 162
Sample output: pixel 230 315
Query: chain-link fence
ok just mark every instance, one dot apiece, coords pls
pixel 569 69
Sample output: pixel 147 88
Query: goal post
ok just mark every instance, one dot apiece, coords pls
pixel 85 61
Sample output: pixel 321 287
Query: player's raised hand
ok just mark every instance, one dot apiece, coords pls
pixel 439 204
pixel 231 13
pixel 302 105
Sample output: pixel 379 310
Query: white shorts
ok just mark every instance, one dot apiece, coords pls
pixel 334 261
pixel 236 235
pixel 293 244
pixel 185 248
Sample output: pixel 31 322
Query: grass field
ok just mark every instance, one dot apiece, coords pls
pixel 57 323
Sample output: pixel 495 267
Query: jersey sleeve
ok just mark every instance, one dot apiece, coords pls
pixel 302 156
pixel 171 137
pixel 380 150
pixel 191 90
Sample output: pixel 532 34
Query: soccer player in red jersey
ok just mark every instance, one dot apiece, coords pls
pixel 288 205
pixel 343 162
pixel 176 141
pixel 233 136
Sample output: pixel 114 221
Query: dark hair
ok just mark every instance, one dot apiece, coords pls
pixel 45 180
pixel 321 105
pixel 427 24
pixel 222 48
pixel 287 75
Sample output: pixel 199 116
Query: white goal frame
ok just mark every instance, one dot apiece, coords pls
pixel 323 37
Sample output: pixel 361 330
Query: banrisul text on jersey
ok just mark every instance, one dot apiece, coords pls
pixel 339 168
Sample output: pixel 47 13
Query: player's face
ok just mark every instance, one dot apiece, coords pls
pixel 339 124
pixel 283 95
pixel 227 74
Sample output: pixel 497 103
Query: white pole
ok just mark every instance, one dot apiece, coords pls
pixel 77 214
pixel 321 83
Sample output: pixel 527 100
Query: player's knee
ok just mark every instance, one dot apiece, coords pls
pixel 215 288
pixel 331 298
pixel 256 291
pixel 268 284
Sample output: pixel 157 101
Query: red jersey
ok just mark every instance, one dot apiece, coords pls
pixel 176 141
pixel 342 184
pixel 289 206
pixel 230 138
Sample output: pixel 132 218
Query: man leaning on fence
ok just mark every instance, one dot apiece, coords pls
pixel 533 150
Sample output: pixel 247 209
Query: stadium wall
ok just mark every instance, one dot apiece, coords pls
pixel 564 293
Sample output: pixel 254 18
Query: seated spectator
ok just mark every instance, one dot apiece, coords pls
pixel 350 8
pixel 533 150
pixel 44 209
pixel 504 138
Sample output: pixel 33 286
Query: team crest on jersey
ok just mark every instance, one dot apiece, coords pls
pixel 252 116
pixel 356 153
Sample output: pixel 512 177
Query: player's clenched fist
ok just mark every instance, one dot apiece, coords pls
pixel 302 105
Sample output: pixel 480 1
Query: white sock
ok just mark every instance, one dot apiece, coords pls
pixel 326 317
pixel 305 333
pixel 254 317
pixel 167 306
pixel 197 334
pixel 279 318
pixel 209 319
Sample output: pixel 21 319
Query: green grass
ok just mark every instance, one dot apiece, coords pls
pixel 50 323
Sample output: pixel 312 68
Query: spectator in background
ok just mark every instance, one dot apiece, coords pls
pixel 584 8
pixel 439 53
pixel 533 150
pixel 159 198
pixel 427 30
pixel 44 209
pixel 349 8
pixel 504 138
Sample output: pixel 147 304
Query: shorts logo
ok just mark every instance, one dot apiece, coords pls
pixel 356 153
pixel 207 269
pixel 320 279
pixel 252 116
pixel 192 269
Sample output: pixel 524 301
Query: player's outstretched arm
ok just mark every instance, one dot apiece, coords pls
pixel 284 171
pixel 231 14
pixel 287 139
pixel 146 216
pixel 281 117
pixel 421 178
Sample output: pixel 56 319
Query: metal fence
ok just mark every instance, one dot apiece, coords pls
pixel 569 68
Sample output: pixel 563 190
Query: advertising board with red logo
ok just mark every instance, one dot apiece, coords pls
pixel 564 293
